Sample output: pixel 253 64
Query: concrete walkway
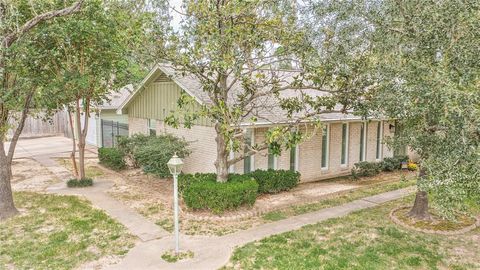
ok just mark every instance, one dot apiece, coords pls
pixel 209 252
pixel 214 252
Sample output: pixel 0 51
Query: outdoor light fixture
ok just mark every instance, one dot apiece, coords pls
pixel 175 165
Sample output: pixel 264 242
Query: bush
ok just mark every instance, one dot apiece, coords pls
pixel 128 145
pixel 218 197
pixel 155 152
pixel 274 181
pixel 185 180
pixel 112 158
pixel 365 168
pixel 84 182
pixel 412 166
pixel 393 163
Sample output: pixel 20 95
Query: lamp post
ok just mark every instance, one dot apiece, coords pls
pixel 175 165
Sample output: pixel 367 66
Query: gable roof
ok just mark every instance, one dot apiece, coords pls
pixel 116 99
pixel 268 113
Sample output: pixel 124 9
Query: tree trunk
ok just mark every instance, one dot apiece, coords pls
pixel 7 208
pixel 74 145
pixel 419 210
pixel 221 164
pixel 81 141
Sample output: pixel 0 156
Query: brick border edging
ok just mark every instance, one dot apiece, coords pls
pixel 456 232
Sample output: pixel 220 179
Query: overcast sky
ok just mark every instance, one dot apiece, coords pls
pixel 176 17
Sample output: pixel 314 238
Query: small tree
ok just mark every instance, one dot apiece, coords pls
pixel 93 58
pixel 18 21
pixel 237 50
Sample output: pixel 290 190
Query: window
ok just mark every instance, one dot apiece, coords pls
pixel 152 127
pixel 272 160
pixel 231 169
pixel 248 161
pixel 325 145
pixel 378 154
pixel 344 157
pixel 293 158
pixel 363 141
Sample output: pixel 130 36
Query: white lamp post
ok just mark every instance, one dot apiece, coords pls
pixel 175 165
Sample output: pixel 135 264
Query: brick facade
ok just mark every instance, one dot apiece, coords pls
pixel 203 146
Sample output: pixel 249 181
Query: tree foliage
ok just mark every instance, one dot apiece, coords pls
pixel 429 67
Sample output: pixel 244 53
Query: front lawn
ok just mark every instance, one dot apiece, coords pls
pixel 58 232
pixel 366 239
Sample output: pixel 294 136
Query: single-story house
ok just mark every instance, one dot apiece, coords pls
pixel 345 139
pixel 104 123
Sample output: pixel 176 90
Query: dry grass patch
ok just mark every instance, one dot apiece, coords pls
pixel 437 223
pixel 91 168
pixel 59 232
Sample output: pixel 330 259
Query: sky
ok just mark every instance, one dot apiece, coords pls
pixel 176 17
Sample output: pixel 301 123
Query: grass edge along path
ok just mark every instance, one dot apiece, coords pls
pixel 364 239
pixel 59 232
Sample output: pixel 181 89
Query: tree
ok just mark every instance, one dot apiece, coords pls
pixel 429 69
pixel 94 56
pixel 18 21
pixel 237 49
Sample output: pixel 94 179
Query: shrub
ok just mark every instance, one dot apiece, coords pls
pixel 274 181
pixel 185 180
pixel 365 168
pixel 154 154
pixel 393 163
pixel 112 158
pixel 128 145
pixel 412 166
pixel 84 182
pixel 219 197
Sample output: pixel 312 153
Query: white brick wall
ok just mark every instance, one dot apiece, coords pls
pixel 203 146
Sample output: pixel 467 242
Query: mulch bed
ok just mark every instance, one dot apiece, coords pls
pixel 437 225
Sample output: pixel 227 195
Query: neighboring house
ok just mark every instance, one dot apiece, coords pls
pixel 104 123
pixel 345 140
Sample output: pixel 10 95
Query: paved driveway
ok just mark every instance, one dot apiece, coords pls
pixel 47 146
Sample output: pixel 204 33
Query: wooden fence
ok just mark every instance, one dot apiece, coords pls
pixel 39 126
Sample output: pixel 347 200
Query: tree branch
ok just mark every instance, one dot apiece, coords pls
pixel 12 37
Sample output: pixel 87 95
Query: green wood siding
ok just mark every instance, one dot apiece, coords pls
pixel 157 100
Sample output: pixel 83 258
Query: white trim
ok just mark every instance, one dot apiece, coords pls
pixel 231 169
pixel 275 161
pixel 380 143
pixel 347 146
pixel 365 132
pixel 327 154
pixel 297 155
pixel 252 157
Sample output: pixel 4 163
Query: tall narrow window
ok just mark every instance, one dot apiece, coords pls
pixel 272 160
pixel 152 127
pixel 379 137
pixel 363 138
pixel 344 158
pixel 325 145
pixel 247 162
pixel 293 158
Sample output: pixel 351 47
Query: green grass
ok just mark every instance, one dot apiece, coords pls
pixel 338 199
pixel 365 239
pixel 58 232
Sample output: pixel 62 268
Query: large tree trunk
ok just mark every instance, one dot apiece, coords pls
pixel 419 210
pixel 221 164
pixel 7 208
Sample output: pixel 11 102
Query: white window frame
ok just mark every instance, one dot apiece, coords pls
pixel 364 146
pixel 231 169
pixel 275 161
pixel 347 146
pixel 297 154
pixel 149 126
pixel 327 152
pixel 252 143
pixel 380 143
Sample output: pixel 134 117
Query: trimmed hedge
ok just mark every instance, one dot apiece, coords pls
pixel 274 181
pixel 84 182
pixel 112 158
pixel 219 197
